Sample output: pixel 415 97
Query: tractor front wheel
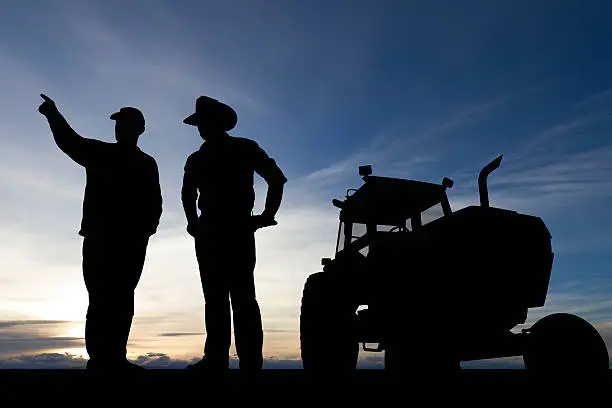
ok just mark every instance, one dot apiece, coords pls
pixel 562 342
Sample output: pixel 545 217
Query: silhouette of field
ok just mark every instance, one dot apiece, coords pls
pixel 183 381
pixel 171 388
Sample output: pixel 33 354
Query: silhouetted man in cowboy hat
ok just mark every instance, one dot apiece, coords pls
pixel 122 207
pixel 222 171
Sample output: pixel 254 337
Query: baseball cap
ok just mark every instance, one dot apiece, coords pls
pixel 129 113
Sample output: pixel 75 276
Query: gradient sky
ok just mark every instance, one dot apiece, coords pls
pixel 419 89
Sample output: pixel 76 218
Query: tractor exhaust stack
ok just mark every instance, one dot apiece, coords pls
pixel 482 180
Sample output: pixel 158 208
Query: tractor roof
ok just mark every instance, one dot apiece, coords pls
pixel 390 201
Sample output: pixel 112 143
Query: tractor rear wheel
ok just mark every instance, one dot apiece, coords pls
pixel 562 342
pixel 327 326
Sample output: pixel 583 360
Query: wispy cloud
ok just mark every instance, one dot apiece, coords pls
pixel 549 172
pixel 52 361
pixel 574 134
pixel 403 150
pixel 180 334
pixel 564 182
pixel 589 300
pixel 14 323
pixel 599 99
pixel 15 342
pixel 27 336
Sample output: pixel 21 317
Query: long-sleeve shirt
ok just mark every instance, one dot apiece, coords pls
pixel 222 173
pixel 122 192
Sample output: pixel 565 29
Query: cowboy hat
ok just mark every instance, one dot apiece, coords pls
pixel 212 111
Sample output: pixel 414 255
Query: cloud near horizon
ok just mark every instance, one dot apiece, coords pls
pixel 150 360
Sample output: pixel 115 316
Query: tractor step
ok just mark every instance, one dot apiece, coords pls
pixel 377 349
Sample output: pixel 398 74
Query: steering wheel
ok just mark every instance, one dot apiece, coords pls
pixel 399 228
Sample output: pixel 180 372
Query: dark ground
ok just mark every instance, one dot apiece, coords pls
pixel 293 388
pixel 513 385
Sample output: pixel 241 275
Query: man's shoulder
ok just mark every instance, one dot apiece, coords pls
pixel 193 156
pixel 147 158
pixel 244 142
pixel 98 144
pixel 249 147
pixel 97 149
pixel 192 159
pixel 234 143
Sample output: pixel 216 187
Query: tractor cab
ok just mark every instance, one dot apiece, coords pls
pixel 383 206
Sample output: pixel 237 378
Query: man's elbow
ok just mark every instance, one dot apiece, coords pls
pixel 61 140
pixel 276 179
pixel 277 184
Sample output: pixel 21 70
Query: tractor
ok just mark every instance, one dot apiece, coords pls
pixel 431 287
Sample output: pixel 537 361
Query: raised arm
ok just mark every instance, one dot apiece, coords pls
pixel 78 148
pixel 189 196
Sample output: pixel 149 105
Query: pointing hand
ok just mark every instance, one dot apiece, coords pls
pixel 48 106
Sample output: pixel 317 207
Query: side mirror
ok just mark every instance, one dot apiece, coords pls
pixel 325 261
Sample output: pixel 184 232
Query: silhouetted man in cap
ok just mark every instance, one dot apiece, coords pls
pixel 122 207
pixel 222 171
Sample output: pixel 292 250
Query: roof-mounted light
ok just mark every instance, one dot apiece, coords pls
pixel 447 183
pixel 365 170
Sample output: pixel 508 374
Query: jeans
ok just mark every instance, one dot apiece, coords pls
pixel 112 267
pixel 226 258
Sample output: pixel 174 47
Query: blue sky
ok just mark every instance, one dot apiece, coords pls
pixel 418 89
